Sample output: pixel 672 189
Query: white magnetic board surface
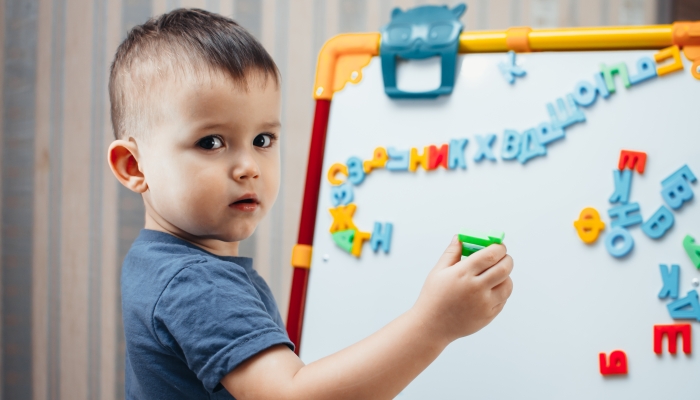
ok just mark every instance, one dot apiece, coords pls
pixel 571 301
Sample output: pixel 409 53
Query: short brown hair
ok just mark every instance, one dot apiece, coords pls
pixel 183 40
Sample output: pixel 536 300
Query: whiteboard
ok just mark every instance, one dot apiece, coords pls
pixel 571 301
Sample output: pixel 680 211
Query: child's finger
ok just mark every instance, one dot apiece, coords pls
pixel 451 255
pixel 495 275
pixel 484 259
pixel 502 291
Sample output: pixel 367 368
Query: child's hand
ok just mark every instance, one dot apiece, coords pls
pixel 461 297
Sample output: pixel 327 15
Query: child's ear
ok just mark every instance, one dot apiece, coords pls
pixel 125 166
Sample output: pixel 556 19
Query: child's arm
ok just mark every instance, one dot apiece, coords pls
pixel 457 299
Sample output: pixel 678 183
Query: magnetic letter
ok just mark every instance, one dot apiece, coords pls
pixel 692 249
pixel 437 158
pixel 671 279
pixel 623 182
pixel 356 173
pixel 672 332
pixel 378 160
pixel 609 71
pixel 358 241
pixel 631 159
pixel 645 70
pixel 617 364
pixel 627 215
pixel 530 147
pixel 334 170
pixel 683 172
pixel 510 70
pixel 656 226
pixel 676 188
pixel 664 54
pixel 457 153
pixel 341 195
pixel 615 235
pixel 344 239
pixel 381 237
pixel 568 113
pixel 415 159
pixel 588 226
pixel 585 93
pixel 342 218
pixel 511 145
pixel 398 160
pixel 547 133
pixel 686 308
pixel 485 150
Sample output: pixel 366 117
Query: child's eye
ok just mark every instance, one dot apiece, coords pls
pixel 263 140
pixel 210 143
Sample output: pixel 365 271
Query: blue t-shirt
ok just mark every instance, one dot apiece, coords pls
pixel 190 318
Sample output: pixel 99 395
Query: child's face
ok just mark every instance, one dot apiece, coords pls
pixel 212 164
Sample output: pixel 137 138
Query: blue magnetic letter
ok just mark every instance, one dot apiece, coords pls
pixel 676 188
pixel 670 279
pixel 585 93
pixel 646 69
pixel 381 236
pixel 511 144
pixel 568 113
pixel 615 235
pixel 678 309
pixel 509 69
pixel 485 151
pixel 456 155
pixel 627 215
pixel 659 223
pixel 623 182
pixel 398 160
pixel 547 133
pixel 530 147
pixel 341 195
pixel 356 173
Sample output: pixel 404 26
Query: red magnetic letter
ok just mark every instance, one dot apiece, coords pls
pixel 630 159
pixel 438 157
pixel 672 332
pixel 617 364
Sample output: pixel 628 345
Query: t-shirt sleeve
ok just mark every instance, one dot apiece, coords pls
pixel 211 316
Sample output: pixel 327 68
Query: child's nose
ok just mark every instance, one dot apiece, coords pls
pixel 246 168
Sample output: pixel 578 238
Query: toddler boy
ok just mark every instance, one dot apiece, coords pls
pixel 195 105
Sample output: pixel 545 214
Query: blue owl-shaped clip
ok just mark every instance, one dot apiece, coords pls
pixel 418 33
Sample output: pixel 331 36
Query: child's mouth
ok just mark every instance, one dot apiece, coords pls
pixel 248 205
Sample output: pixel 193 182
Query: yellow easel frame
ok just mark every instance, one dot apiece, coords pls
pixel 342 57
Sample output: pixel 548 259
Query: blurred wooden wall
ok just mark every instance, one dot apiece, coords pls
pixel 67 224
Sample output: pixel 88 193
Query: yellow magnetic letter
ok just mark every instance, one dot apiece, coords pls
pixel 589 225
pixel 342 218
pixel 415 159
pixel 334 170
pixel 358 241
pixel 378 160
pixel 665 54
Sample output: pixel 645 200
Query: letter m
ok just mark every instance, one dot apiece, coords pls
pixel 631 159
pixel 672 331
